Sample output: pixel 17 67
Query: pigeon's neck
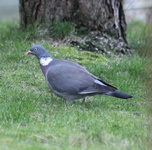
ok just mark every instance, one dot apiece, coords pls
pixel 44 61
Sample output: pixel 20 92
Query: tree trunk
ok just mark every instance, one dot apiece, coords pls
pixel 102 15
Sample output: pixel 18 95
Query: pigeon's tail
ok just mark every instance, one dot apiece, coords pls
pixel 118 94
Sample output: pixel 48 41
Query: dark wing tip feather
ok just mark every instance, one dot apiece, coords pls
pixel 118 94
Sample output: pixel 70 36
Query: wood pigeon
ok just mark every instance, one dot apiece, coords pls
pixel 70 80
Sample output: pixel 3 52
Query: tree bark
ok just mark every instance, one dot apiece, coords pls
pixel 104 16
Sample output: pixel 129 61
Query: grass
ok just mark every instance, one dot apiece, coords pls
pixel 139 36
pixel 32 118
pixel 61 29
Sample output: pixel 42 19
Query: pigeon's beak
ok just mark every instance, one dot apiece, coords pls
pixel 29 52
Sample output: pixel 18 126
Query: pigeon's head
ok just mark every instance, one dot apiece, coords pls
pixel 39 51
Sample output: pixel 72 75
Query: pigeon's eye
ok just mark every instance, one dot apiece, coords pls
pixel 35 49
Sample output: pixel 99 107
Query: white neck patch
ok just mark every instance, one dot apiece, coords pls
pixel 44 61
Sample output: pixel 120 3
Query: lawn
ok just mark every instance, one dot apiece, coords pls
pixel 33 118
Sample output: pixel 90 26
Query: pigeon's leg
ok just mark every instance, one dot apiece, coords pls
pixel 83 101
